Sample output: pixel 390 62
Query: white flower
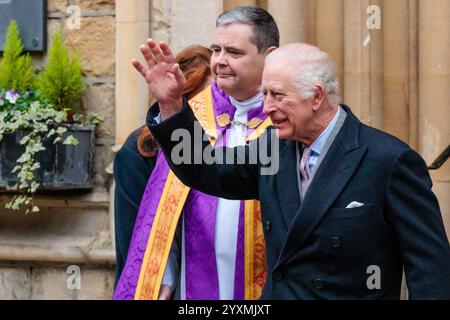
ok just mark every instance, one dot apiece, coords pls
pixel 12 96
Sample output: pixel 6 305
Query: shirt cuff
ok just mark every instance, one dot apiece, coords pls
pixel 158 118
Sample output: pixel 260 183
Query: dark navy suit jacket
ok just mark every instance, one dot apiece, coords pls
pixel 318 248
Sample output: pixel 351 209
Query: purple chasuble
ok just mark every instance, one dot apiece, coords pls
pixel 200 219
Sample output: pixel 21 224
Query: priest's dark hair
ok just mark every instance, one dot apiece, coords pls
pixel 265 29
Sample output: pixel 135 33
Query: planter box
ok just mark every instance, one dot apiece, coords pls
pixel 63 167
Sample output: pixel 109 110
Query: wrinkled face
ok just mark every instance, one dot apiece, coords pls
pixel 235 63
pixel 291 114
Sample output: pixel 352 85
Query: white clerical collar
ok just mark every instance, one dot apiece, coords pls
pixel 243 107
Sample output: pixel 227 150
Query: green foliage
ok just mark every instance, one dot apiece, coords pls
pixel 16 70
pixel 90 118
pixel 62 81
pixel 42 112
pixel 11 100
pixel 43 122
pixel 30 111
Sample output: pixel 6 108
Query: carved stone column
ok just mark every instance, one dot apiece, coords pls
pixel 229 4
pixel 363 62
pixel 185 30
pixel 434 93
pixel 400 69
pixel 295 19
pixel 330 32
pixel 132 29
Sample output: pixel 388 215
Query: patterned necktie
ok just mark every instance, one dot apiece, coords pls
pixel 304 170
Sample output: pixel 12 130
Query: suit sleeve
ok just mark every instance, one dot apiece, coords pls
pixel 131 174
pixel 223 175
pixel 413 212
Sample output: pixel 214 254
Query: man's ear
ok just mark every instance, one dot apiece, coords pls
pixel 319 96
pixel 269 50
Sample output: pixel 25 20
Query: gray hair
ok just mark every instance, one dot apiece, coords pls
pixel 265 29
pixel 310 66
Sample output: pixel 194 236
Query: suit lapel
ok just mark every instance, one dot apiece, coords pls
pixel 338 166
pixel 287 183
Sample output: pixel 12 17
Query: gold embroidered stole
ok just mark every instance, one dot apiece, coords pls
pixel 169 210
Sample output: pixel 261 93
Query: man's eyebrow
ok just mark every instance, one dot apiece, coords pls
pixel 227 48
pixel 273 90
pixel 231 48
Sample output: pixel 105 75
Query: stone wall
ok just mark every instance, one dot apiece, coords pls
pixel 49 282
pixel 75 228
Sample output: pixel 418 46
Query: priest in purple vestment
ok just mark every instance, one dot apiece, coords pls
pixel 206 260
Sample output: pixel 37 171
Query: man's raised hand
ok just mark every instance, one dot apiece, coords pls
pixel 164 77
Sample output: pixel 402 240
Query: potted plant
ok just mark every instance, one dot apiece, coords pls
pixel 44 144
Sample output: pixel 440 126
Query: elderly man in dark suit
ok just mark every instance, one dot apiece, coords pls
pixel 350 206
